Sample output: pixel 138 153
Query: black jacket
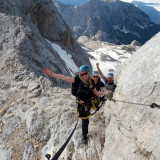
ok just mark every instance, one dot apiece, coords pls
pixel 99 84
pixel 81 92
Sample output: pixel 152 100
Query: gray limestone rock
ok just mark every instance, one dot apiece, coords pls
pixel 10 126
pixel 33 85
pixel 35 122
pixel 37 114
pixel 136 43
pixel 25 28
pixel 29 152
pixel 133 130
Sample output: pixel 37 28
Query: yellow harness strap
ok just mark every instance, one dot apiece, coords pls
pixel 95 101
pixel 83 117
pixel 83 104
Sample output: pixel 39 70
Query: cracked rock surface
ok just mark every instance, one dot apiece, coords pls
pixel 133 130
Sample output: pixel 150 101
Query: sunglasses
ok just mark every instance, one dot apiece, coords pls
pixel 95 76
pixel 86 73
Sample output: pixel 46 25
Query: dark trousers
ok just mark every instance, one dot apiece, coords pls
pixel 84 112
pixel 85 123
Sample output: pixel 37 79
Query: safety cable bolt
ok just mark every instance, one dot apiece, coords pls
pixel 48 156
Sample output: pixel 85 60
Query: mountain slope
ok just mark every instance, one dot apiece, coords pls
pixel 24 27
pixel 29 30
pixel 113 21
pixel 153 14
pixel 73 2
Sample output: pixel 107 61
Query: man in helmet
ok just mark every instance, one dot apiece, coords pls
pixel 109 80
pixel 85 90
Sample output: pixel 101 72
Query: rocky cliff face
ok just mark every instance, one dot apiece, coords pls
pixel 112 21
pixel 133 130
pixel 25 28
pixel 37 115
pixel 44 15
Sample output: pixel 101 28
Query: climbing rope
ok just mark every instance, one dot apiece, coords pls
pixel 56 156
pixel 153 105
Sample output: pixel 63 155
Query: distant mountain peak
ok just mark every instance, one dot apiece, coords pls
pixel 119 22
pixel 109 0
pixel 149 9
pixel 104 0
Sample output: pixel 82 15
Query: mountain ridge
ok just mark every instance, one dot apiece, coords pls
pixel 150 11
pixel 116 22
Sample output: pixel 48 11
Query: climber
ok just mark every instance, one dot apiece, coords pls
pixel 85 91
pixel 98 83
pixel 109 80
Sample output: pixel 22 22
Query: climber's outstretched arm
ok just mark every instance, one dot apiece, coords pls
pixel 100 73
pixel 97 93
pixel 59 76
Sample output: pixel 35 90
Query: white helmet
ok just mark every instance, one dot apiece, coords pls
pixel 95 73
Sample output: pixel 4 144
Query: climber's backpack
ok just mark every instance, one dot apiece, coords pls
pixel 76 88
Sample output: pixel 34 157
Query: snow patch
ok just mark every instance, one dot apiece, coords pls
pixel 67 58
